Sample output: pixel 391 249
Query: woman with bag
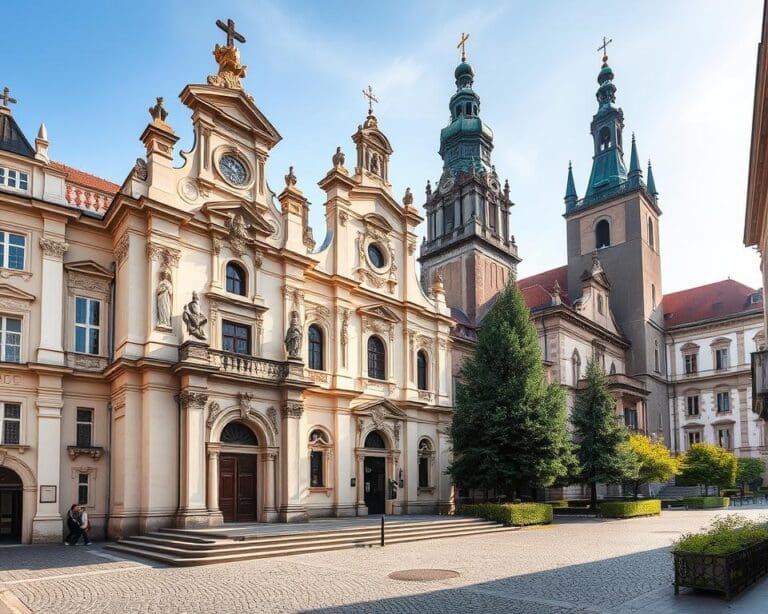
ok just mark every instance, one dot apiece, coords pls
pixel 73 524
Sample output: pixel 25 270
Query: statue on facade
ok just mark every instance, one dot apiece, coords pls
pixel 164 299
pixel 194 319
pixel 338 158
pixel 293 337
pixel 239 235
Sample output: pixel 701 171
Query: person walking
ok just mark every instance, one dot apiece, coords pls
pixel 85 525
pixel 73 524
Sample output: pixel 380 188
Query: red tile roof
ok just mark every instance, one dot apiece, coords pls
pixel 86 180
pixel 716 300
pixel 537 289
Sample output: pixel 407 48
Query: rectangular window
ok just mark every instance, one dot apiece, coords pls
pixel 694 437
pixel 723 402
pixel 721 359
pixel 423 472
pixel 600 304
pixel 724 438
pixel 12 248
pixel 10 339
pixel 87 325
pixel 693 405
pixel 316 469
pixel 236 338
pixel 10 424
pixel 691 364
pixel 82 489
pixel 84 427
pixel 630 418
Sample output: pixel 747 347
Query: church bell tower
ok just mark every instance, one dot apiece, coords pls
pixel 468 241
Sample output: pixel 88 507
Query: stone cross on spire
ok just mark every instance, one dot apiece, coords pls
pixel 371 99
pixel 604 47
pixel 6 98
pixel 463 46
pixel 229 28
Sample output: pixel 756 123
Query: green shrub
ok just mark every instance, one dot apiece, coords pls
pixel 726 535
pixel 518 514
pixel 627 509
pixel 558 504
pixel 706 503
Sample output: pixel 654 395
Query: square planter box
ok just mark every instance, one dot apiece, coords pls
pixel 725 573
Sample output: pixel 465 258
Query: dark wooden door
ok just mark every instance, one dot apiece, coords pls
pixel 374 483
pixel 237 487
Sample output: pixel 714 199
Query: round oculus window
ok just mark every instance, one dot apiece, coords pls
pixel 233 169
pixel 376 256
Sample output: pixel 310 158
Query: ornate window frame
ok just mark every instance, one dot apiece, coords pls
pixel 86 280
pixel 323 445
pixel 426 453
pixel 686 350
pixel 26 271
pixel 238 263
pixel 720 344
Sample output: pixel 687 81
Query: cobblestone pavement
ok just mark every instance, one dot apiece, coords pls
pixel 576 565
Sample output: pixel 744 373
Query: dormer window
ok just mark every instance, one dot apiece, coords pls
pixel 13 179
pixel 756 297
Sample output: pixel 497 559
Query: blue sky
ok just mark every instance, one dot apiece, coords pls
pixel 684 71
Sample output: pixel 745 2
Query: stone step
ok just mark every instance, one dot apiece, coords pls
pixel 234 556
pixel 182 549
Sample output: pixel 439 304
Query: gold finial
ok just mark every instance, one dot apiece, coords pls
pixel 463 46
pixel 6 98
pixel 228 58
pixel 604 47
pixel 371 99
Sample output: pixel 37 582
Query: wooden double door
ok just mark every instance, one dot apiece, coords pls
pixel 10 506
pixel 374 483
pixel 237 487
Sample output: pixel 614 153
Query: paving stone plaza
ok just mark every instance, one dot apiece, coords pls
pixel 574 565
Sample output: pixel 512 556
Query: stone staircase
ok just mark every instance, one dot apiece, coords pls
pixel 186 548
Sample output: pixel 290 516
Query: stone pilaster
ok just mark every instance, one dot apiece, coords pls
pixel 193 503
pixel 291 508
pixel 50 350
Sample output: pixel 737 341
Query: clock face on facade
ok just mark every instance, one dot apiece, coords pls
pixel 233 170
pixel 447 183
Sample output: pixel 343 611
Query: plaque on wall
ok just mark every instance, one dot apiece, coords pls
pixel 47 494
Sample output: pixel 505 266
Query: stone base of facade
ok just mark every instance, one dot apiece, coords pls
pixel 194 519
pixel 122 526
pixel 344 511
pixel 153 523
pixel 292 513
pixel 215 518
pixel 47 530
pixel 361 510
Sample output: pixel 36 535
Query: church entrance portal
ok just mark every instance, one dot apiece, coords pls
pixel 10 506
pixel 237 487
pixel 374 469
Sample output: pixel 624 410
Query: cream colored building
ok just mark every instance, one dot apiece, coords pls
pixel 179 351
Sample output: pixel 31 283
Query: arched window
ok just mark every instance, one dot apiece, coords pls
pixel 377 356
pixel 239 434
pixel 236 279
pixel 421 370
pixel 468 108
pixel 375 440
pixel 576 367
pixel 650 232
pixel 318 446
pixel 426 452
pixel 602 234
pixel 613 369
pixel 315 347
pixel 605 138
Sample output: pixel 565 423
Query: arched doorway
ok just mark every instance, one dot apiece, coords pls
pixel 10 505
pixel 238 464
pixel 375 473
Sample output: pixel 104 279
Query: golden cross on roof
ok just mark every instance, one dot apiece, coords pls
pixel 229 28
pixel 371 99
pixel 604 47
pixel 6 98
pixel 463 46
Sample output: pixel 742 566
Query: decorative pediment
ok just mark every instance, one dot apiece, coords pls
pixel 379 312
pixel 378 222
pixel 383 409
pixel 88 267
pixel 9 293
pixel 239 220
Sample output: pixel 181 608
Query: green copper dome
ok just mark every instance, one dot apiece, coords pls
pixel 462 70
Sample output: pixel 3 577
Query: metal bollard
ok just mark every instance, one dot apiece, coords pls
pixel 382 530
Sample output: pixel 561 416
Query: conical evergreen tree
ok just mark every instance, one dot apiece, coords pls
pixel 604 457
pixel 509 428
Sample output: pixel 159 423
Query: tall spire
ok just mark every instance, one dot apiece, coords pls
pixel 651 183
pixel 635 172
pixel 571 198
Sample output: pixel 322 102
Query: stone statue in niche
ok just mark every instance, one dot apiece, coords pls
pixel 293 337
pixel 164 299
pixel 375 164
pixel 194 319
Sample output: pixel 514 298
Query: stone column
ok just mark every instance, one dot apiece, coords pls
pixel 213 480
pixel 193 511
pixel 291 509
pixel 362 509
pixel 270 511
pixel 50 350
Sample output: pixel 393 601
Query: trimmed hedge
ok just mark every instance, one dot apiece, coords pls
pixel 628 509
pixel 558 504
pixel 518 514
pixel 706 503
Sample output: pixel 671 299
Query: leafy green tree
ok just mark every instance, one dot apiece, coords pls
pixel 600 437
pixel 707 465
pixel 749 472
pixel 654 463
pixel 509 428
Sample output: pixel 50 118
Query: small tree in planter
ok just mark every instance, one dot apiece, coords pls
pixel 707 465
pixel 654 462
pixel 749 472
pixel 600 437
